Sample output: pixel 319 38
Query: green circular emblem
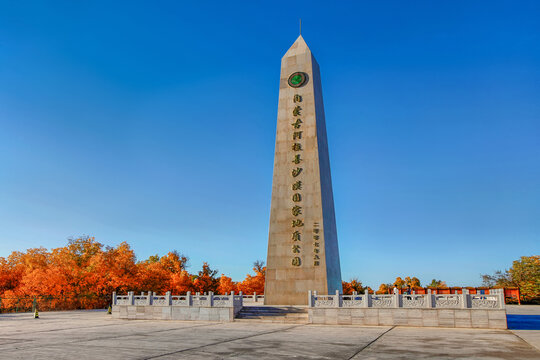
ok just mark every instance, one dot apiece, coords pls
pixel 297 79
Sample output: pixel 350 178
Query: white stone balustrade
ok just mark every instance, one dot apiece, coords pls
pixel 253 298
pixel 188 300
pixel 495 300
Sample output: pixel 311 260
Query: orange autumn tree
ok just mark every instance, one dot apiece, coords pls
pixel 77 273
pixel 226 285
pixel 206 280
pixel 254 284
pixel 413 282
pixel 385 289
pixel 399 282
pixel 353 285
pixel 162 274
pixel 181 283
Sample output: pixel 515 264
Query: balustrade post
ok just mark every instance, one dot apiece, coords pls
pixel 429 302
pixel 255 296
pixel 464 298
pixel 396 300
pixel 366 299
pixel 188 298
pixel 114 298
pixel 337 299
pixel 168 299
pixel 502 303
pixel 131 298
pixel 310 298
pixel 149 298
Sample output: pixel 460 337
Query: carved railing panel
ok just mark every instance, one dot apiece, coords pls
pixel 382 301
pixel 159 301
pixel 485 301
pixel 447 301
pixel 222 301
pixel 352 301
pixel 201 300
pixel 122 300
pixel 140 300
pixel 324 300
pixel 413 301
pixel 179 301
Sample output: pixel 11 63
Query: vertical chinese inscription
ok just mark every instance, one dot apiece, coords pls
pixel 297 222
pixel 316 245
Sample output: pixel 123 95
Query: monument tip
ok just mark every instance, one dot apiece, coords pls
pixel 299 46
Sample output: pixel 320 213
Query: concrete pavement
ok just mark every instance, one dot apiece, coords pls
pixel 524 321
pixel 95 335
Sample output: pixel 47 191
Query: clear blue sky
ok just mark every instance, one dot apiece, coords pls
pixel 154 123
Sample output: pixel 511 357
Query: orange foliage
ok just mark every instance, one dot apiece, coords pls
pixel 206 280
pixel 181 283
pixel 84 273
pixel 226 285
pixel 385 289
pixel 253 284
pixel 87 272
pixel 353 285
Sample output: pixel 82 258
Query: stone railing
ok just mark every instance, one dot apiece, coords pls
pixel 188 300
pixel 495 300
pixel 253 298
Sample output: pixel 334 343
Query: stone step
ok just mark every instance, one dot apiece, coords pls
pixel 274 309
pixel 242 314
pixel 275 314
pixel 274 320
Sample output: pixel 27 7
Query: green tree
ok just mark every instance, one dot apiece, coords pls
pixel 524 274
pixel 499 278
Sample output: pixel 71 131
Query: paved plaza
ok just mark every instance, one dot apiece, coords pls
pixel 95 335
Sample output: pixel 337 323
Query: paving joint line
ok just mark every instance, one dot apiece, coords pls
pixel 223 342
pixel 72 328
pixel 81 341
pixel 525 341
pixel 371 342
pixel 137 334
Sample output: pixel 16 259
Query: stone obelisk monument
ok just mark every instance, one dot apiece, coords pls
pixel 303 252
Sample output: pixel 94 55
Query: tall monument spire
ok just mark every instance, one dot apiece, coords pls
pixel 302 246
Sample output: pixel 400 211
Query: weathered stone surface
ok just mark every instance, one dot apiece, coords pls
pixel 184 313
pixel 446 318
pixel 465 318
pixel 430 317
pixel 287 283
pixel 479 319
